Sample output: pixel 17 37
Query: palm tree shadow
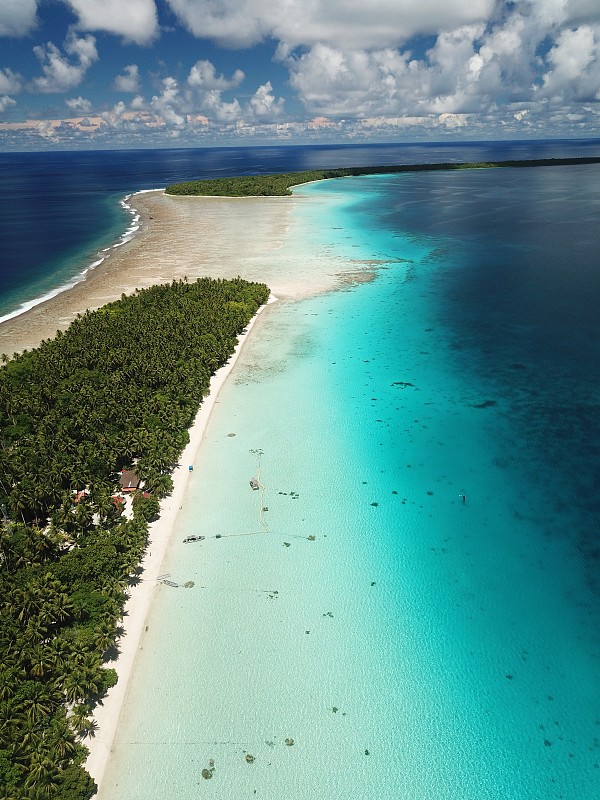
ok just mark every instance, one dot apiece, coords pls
pixel 112 654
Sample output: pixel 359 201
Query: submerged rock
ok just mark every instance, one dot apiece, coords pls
pixel 485 404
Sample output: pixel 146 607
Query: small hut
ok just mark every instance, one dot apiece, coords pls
pixel 129 481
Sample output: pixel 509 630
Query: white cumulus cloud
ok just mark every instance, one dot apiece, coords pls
pixel 59 73
pixel 134 20
pixel 45 129
pixel 167 104
pixel 220 110
pixel 560 12
pixel 5 102
pixel 263 104
pixel 354 65
pixel 17 17
pixel 473 69
pixel 330 81
pixel 201 99
pixel 79 105
pixel 204 75
pixel 10 82
pixel 574 65
pixel 205 93
pixel 583 11
pixel 341 23
pixel 234 23
pixel 129 81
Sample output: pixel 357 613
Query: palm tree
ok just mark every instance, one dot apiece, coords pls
pixel 162 485
pixel 42 776
pixel 89 729
pixel 85 680
pixel 78 719
pixel 103 503
pixel 60 653
pixel 75 686
pixel 11 718
pixel 41 660
pixel 84 515
pixel 104 635
pixel 31 734
pixel 10 676
pixel 60 742
pixel 37 704
pixel 28 602
pixel 35 631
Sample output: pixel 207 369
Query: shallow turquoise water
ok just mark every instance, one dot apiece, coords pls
pixel 418 647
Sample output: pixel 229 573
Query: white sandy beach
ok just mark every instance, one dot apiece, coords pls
pixel 179 237
pixel 138 604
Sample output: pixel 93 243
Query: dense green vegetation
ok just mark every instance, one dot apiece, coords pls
pixel 278 185
pixel 254 185
pixel 118 389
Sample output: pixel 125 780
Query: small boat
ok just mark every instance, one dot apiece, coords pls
pixel 194 538
pixel 254 484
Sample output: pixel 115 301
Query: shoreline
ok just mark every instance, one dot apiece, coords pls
pixel 177 239
pixel 160 533
pixel 101 256
pixel 41 317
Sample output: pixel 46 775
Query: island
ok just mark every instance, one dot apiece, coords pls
pixel 280 184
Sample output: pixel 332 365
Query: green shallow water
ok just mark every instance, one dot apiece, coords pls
pixel 418 647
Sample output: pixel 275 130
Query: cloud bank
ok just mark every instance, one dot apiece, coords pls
pixel 343 23
pixel 494 68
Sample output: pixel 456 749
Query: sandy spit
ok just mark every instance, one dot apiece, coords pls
pixel 178 237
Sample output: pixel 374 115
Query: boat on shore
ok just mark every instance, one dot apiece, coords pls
pixel 194 538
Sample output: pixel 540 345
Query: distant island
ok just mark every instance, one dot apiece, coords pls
pixel 278 185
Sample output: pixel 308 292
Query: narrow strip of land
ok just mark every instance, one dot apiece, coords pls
pixel 276 185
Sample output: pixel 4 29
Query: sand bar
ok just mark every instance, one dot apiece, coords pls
pixel 183 237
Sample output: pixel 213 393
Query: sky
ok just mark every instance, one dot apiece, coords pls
pixel 155 73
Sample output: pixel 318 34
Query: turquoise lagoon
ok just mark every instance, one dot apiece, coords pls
pixel 409 644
